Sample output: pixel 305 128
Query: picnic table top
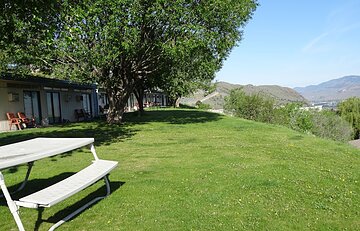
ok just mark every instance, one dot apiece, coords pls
pixel 38 148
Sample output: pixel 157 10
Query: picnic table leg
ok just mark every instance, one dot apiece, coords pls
pixel 68 217
pixel 11 204
pixel 30 164
pixel 92 149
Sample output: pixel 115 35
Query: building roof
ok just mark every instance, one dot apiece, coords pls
pixel 45 81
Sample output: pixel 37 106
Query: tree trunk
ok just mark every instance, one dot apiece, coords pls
pixel 139 94
pixel 119 84
pixel 118 94
pixel 176 102
pixel 117 104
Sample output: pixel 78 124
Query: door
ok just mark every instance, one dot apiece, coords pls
pixel 86 103
pixel 53 106
pixel 32 105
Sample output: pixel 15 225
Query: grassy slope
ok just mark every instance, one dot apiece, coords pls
pixel 189 170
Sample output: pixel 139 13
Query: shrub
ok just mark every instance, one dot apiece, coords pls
pixel 301 120
pixel 293 116
pixel 350 111
pixel 327 124
pixel 201 105
pixel 251 107
pixel 282 113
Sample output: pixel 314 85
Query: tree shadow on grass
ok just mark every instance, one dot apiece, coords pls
pixel 103 133
pixel 173 117
pixel 106 134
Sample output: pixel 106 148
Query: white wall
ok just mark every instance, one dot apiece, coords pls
pixel 14 107
pixel 69 101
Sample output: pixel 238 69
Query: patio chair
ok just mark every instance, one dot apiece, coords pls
pixel 81 113
pixel 13 120
pixel 86 114
pixel 28 122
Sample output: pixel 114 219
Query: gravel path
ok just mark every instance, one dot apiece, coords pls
pixel 355 143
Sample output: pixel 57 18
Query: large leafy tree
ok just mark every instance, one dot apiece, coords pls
pixel 27 31
pixel 213 28
pixel 124 44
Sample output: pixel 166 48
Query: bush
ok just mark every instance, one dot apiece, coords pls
pixel 201 105
pixel 293 116
pixel 350 111
pixel 251 107
pixel 301 120
pixel 327 124
pixel 282 113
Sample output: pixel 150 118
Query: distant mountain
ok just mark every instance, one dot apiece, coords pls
pixel 333 90
pixel 216 100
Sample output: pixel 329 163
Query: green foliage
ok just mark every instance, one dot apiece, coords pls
pixel 27 29
pixel 350 111
pixel 201 105
pixel 282 113
pixel 252 107
pixel 209 88
pixel 123 44
pixel 327 124
pixel 293 116
pixel 301 120
pixel 210 30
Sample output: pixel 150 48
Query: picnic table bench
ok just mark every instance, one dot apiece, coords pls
pixel 35 149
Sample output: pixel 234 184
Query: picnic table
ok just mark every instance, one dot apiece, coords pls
pixel 27 152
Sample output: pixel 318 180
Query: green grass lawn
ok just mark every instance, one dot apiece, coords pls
pixel 194 170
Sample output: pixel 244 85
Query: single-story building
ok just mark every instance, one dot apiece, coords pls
pixel 155 98
pixel 151 98
pixel 46 100
pixel 51 101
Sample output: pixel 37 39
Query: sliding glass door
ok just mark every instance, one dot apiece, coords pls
pixel 86 103
pixel 53 106
pixel 32 105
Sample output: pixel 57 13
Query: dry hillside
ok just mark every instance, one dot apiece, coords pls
pixel 282 95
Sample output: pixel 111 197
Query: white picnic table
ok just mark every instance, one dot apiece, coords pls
pixel 27 152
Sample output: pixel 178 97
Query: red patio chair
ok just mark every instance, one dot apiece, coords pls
pixel 28 122
pixel 13 120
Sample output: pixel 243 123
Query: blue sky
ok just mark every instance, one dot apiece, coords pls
pixel 297 43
